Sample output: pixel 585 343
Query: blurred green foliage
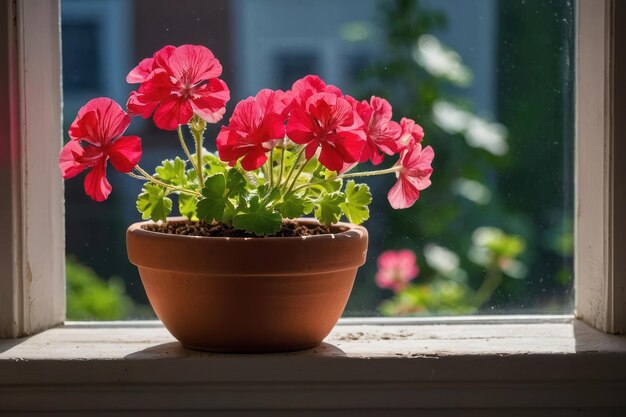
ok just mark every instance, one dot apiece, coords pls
pixel 499 208
pixel 90 297
pixel 447 292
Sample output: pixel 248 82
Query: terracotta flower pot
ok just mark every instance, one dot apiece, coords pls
pixel 248 294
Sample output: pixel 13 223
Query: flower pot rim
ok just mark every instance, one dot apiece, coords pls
pixel 204 254
pixel 353 230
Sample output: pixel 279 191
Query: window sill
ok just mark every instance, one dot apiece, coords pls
pixel 476 365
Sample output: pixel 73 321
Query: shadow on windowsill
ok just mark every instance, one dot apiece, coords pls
pixel 589 340
pixel 8 344
pixel 176 350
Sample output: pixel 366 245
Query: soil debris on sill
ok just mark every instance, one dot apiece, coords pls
pixel 288 229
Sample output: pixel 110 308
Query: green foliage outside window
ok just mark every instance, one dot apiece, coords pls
pixel 494 231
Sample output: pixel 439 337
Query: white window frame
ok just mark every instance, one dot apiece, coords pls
pixel 83 368
pixel 32 283
pixel 32 241
pixel 600 167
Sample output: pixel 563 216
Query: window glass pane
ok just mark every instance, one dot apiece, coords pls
pixel 81 68
pixel 491 82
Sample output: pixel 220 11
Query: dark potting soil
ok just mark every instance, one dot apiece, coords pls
pixel 288 229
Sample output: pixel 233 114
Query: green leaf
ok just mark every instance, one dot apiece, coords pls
pixel 235 182
pixel 332 186
pixel 211 206
pixel 172 172
pixel 294 206
pixel 327 209
pixel 212 163
pixel 332 183
pixel 187 205
pixel 289 160
pixel 153 204
pixel 258 219
pixel 323 182
pixel 358 197
pixel 229 213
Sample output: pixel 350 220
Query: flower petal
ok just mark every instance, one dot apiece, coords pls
pixel 427 156
pixel 305 87
pixel 125 153
pixel 371 153
pixel 271 101
pixel 249 134
pixel 227 145
pixel 417 165
pixel 210 104
pixel 412 133
pixel 254 159
pixel 272 127
pixel 381 132
pixel 141 71
pixel 172 112
pixel 162 56
pixel 332 111
pixel 348 144
pixel 139 105
pixel 191 64
pixel 157 86
pixel 403 194
pixel 96 185
pixel 331 158
pixel 99 121
pixel 70 159
pixel 301 126
pixel 85 127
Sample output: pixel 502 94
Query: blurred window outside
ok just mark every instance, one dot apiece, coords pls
pixel 493 235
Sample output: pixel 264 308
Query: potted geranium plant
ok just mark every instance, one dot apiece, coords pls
pixel 241 270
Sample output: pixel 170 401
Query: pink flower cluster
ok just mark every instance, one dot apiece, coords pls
pixel 337 128
pixel 178 82
pixel 173 85
pixel 99 127
pixel 396 269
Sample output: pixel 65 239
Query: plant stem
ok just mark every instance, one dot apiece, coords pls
pixel 351 168
pixel 311 184
pixel 198 139
pixel 181 138
pixel 492 281
pixel 136 176
pixel 271 161
pixel 282 165
pixel 293 167
pixel 353 175
pixel 252 179
pixel 296 177
pixel 197 127
pixel 391 170
pixel 146 176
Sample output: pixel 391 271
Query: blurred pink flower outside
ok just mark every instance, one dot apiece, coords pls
pixel 396 269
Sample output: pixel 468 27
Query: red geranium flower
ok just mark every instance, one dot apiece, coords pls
pixel 305 87
pixel 328 121
pixel 99 126
pixel 381 132
pixel 176 83
pixel 413 176
pixel 256 124
pixel 396 269
pixel 412 133
pixel 147 65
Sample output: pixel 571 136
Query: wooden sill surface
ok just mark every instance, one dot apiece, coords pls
pixel 150 340
pixel 106 367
